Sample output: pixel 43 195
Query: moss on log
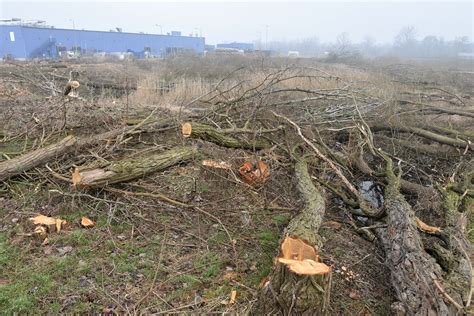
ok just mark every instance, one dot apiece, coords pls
pixel 132 168
pixel 415 275
pixel 67 145
pixel 288 293
pixel 213 135
pixel 36 158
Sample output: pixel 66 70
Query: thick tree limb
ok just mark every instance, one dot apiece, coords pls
pixel 35 158
pixel 129 169
pixel 211 134
pixel 288 293
pixel 424 133
pixel 413 271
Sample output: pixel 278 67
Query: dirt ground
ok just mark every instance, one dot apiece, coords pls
pixel 148 256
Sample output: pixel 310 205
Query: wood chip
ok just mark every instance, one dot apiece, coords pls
pixel 217 164
pixel 233 296
pixel 86 222
pixel 426 228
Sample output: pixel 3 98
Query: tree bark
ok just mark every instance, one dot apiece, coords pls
pixel 211 134
pixel 130 169
pixel 285 292
pixel 35 158
pixel 415 275
pixel 67 145
pixel 424 133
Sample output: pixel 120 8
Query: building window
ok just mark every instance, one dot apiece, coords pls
pixel 12 36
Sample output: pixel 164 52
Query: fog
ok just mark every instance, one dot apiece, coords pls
pixel 259 22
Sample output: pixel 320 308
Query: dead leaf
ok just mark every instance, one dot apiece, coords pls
pixel 333 224
pixel 216 164
pixel 305 267
pixel 86 222
pixel 297 249
pixel 425 227
pixel 233 296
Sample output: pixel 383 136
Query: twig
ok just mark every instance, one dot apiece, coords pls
pixel 158 267
pixel 449 298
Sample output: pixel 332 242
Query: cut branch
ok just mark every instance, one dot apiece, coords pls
pixel 424 133
pixel 129 169
pixel 211 134
pixel 36 158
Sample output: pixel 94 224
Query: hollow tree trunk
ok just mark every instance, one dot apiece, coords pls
pixel 132 168
pixel 288 293
pixel 35 158
pixel 211 134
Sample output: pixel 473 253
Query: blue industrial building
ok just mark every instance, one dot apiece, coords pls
pixel 28 42
pixel 235 45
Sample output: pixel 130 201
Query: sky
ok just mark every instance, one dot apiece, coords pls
pixel 247 21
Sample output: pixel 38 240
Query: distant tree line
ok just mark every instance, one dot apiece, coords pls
pixel 406 44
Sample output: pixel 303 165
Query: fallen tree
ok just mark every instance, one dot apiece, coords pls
pixel 42 156
pixel 307 292
pixel 130 168
pixel 35 158
pixel 415 275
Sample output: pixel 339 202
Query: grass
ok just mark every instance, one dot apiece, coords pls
pixel 31 278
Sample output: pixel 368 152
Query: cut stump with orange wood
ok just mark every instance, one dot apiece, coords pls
pixel 299 283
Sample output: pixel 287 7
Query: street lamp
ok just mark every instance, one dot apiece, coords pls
pixel 161 28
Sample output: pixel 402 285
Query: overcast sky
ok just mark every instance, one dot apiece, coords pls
pixel 227 21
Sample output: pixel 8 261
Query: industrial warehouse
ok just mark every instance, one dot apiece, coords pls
pixel 34 40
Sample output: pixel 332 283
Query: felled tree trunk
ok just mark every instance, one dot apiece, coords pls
pixel 129 169
pixel 287 292
pixel 211 134
pixel 415 275
pixel 442 139
pixel 67 145
pixel 36 158
pixel 454 256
